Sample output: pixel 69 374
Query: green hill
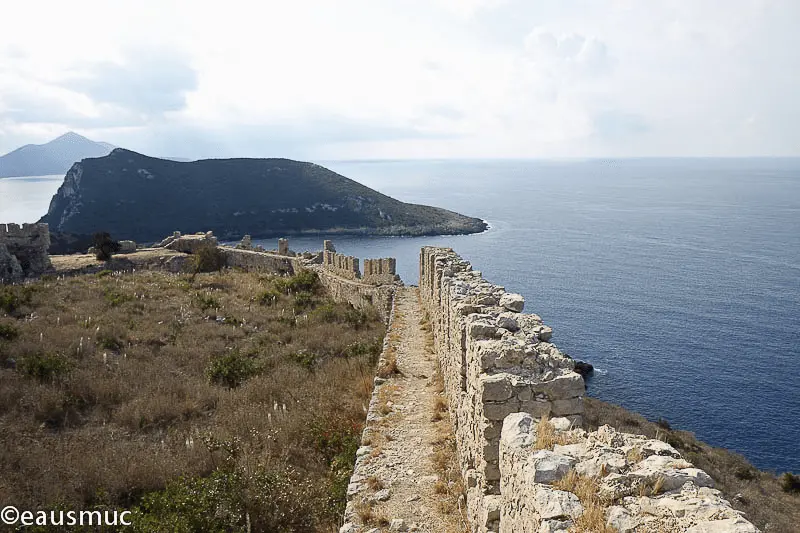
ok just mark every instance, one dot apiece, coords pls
pixel 133 196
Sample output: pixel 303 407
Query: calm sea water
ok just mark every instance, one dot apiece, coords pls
pixel 679 279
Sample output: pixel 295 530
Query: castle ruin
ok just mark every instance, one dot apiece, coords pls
pixel 23 251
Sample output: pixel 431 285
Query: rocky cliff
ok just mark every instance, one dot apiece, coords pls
pixel 136 197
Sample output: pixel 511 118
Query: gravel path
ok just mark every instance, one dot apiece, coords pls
pixel 399 475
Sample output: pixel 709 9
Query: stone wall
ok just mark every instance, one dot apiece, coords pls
pixel 495 361
pixel 502 376
pixel 357 293
pixel 260 261
pixel 340 284
pixel 342 265
pixel 23 251
pixel 379 271
pixel 638 484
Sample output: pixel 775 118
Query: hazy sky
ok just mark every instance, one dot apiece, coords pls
pixel 405 78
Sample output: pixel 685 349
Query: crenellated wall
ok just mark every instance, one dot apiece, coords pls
pixel 495 361
pixel 23 251
pixel 379 271
pixel 340 264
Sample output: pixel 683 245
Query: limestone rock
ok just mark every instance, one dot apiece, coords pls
pixel 556 504
pixel 549 466
pixel 512 302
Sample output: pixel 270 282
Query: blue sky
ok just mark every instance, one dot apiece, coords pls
pixel 406 78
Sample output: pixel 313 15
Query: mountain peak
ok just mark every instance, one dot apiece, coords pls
pixel 54 157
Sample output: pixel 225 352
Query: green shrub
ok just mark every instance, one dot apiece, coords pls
pixel 206 301
pixel 303 300
pixel 208 258
pixel 305 359
pixel 104 273
pixel 9 300
pixel 190 505
pixel 231 369
pixel 109 341
pixel 279 501
pixel 268 297
pixel 45 367
pixel 115 298
pixel 8 331
pixel 105 246
pixel 790 482
pixel 303 281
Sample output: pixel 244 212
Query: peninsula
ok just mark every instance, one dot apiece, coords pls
pixel 137 197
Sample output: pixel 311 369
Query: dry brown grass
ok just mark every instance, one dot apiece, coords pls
pixel 106 394
pixel 547 436
pixel 758 494
pixel 593 519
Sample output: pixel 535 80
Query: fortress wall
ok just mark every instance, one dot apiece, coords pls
pixel 495 361
pixel 260 261
pixel 340 281
pixel 23 250
pixel 502 377
pixel 357 293
pixel 380 271
pixel 345 266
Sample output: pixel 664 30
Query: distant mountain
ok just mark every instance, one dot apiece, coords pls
pixel 55 157
pixel 133 196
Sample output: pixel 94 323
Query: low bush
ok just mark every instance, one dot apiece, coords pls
pixel 303 281
pixel 105 246
pixel 45 366
pixel 8 331
pixel 790 482
pixel 231 369
pixel 208 258
pixel 206 301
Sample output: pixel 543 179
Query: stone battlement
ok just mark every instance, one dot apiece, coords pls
pixel 379 271
pixel 23 251
pixel 343 265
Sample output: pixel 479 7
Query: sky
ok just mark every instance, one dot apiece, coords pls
pixel 396 79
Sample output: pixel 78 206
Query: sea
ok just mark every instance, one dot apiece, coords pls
pixel 678 279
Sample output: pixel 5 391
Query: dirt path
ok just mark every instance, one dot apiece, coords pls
pixel 407 469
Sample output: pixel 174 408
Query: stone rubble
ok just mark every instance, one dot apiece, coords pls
pixel 627 469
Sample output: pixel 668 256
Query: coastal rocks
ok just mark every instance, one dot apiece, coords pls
pixel 512 302
pixel 583 368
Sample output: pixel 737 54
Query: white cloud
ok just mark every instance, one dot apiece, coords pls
pixel 401 78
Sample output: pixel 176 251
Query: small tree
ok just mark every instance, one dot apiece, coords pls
pixel 105 246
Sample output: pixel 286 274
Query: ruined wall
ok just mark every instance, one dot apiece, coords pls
pixel 502 376
pixel 639 484
pixel 379 271
pixel 340 264
pixel 23 251
pixel 341 283
pixel 495 361
pixel 260 261
pixel 357 293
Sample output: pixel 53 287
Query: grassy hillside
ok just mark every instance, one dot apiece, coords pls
pixel 143 198
pixel 201 403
